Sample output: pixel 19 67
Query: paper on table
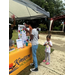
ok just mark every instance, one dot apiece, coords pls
pixel 19 43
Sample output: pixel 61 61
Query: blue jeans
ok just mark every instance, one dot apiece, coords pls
pixel 34 49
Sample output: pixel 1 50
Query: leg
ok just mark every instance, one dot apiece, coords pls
pixel 34 49
pixel 33 52
pixel 46 56
pixel 49 57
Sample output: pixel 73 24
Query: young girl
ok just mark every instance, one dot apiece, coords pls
pixel 48 45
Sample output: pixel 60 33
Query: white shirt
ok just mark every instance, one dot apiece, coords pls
pixel 47 47
pixel 35 37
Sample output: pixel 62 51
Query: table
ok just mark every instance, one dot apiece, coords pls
pixel 19 59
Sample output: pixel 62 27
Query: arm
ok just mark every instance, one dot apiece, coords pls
pixel 38 36
pixel 31 36
pixel 45 44
pixel 50 44
pixel 30 28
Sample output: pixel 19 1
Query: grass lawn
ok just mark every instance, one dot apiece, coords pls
pixel 40 55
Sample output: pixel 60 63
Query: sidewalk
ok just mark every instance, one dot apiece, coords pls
pixel 56 67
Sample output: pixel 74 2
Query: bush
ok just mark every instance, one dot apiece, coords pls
pixel 59 28
pixel 43 27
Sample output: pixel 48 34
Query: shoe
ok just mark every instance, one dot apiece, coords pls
pixel 47 63
pixel 44 60
pixel 34 69
pixel 31 64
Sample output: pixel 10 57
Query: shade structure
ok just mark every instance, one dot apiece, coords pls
pixel 29 10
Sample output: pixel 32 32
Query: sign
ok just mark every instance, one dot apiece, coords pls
pixel 22 33
pixel 19 43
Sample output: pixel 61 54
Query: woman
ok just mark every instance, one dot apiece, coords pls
pixel 34 41
pixel 11 31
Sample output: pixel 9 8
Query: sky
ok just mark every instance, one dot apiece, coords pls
pixel 63 1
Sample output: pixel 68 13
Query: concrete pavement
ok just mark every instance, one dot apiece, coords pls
pixel 57 62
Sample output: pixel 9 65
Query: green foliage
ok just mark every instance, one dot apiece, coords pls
pixel 42 26
pixel 57 25
pixel 55 7
pixel 59 28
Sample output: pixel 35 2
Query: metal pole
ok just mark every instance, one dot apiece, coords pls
pixel 49 26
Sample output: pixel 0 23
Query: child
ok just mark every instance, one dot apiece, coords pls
pixel 48 45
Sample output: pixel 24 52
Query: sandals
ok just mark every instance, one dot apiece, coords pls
pixel 44 60
pixel 47 63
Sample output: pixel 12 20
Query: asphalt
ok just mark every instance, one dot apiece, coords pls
pixel 57 57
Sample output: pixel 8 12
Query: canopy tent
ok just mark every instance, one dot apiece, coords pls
pixel 26 9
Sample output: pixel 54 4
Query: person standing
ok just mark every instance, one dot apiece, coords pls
pixel 34 41
pixel 11 31
pixel 48 45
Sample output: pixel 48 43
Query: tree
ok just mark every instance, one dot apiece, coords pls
pixel 55 7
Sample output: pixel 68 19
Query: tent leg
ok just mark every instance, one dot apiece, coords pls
pixel 48 32
pixel 49 27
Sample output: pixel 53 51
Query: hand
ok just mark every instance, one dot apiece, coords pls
pixel 48 44
pixel 13 16
pixel 45 44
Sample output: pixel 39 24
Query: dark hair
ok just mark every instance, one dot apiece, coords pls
pixel 48 36
pixel 34 24
pixel 37 29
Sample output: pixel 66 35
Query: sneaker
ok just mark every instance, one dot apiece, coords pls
pixel 47 63
pixel 44 60
pixel 34 69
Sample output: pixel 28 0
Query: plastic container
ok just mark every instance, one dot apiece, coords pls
pixel 26 43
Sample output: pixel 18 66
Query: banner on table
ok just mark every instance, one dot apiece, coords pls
pixel 20 59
